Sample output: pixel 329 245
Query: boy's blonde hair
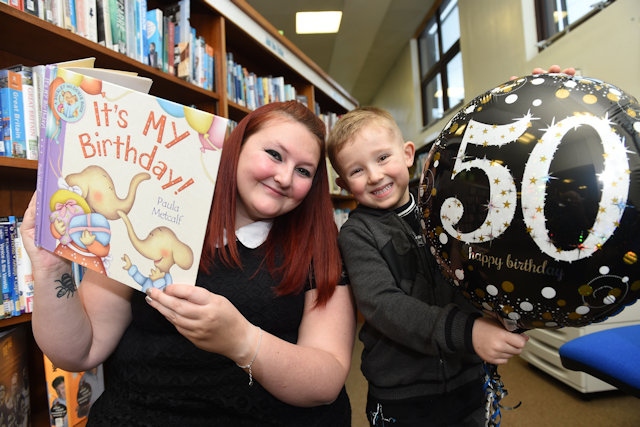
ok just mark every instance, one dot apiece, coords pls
pixel 351 123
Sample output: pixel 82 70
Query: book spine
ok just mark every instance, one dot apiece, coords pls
pixel 12 267
pixel 5 270
pixel 57 12
pixel 15 144
pixel 82 18
pixel 154 32
pixel 117 16
pixel 29 110
pixel 91 15
pixel 43 167
pixel 69 15
pixel 140 29
pixel 31 7
pixel 130 29
pixel 15 4
pixel 24 274
pixel 171 46
pixel 104 23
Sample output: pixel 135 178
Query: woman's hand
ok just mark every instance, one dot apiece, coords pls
pixel 555 69
pixel 41 259
pixel 208 320
pixel 552 69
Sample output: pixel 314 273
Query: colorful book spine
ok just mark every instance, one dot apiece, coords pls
pixel 10 292
pixel 29 109
pixel 118 21
pixel 154 38
pixel 24 275
pixel 140 11
pixel 13 124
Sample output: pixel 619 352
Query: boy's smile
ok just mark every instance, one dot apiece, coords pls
pixel 374 167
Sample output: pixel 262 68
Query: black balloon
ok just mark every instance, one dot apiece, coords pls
pixel 531 201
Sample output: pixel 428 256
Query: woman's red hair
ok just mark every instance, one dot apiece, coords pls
pixel 302 244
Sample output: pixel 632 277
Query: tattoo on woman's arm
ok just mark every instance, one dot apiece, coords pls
pixel 67 286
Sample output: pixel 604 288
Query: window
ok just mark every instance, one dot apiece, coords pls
pixel 441 76
pixel 557 17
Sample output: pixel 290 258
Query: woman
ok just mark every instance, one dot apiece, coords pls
pixel 264 338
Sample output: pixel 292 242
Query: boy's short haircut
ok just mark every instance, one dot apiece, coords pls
pixel 353 122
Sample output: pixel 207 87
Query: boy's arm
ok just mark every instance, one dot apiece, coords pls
pixel 403 318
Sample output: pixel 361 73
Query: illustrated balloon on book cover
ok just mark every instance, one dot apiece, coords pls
pixel 200 121
pixel 531 201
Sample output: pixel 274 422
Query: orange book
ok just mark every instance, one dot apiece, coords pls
pixel 71 394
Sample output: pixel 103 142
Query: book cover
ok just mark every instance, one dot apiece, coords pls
pixel 14 378
pixel 71 394
pixel 13 128
pixel 125 180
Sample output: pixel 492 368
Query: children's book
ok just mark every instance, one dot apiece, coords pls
pixel 71 394
pixel 125 180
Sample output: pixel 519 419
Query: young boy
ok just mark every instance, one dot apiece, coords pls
pixel 423 342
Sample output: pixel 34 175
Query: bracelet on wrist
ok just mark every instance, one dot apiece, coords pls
pixel 254 357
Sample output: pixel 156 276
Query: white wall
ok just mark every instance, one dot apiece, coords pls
pixel 498 40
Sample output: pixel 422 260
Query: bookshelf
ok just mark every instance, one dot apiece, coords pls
pixel 228 26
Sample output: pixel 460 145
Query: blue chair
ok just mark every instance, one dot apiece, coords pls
pixel 612 355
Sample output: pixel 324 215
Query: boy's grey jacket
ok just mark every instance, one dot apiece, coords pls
pixel 417 330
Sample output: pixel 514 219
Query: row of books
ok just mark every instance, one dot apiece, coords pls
pixel 18 112
pixel 246 88
pixel 70 394
pixel 249 90
pixel 162 37
pixel 15 270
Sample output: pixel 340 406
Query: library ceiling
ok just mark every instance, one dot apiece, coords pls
pixel 372 35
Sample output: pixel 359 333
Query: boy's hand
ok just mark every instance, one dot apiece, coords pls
pixel 493 343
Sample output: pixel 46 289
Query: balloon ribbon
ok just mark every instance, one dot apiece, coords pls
pixel 495 392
